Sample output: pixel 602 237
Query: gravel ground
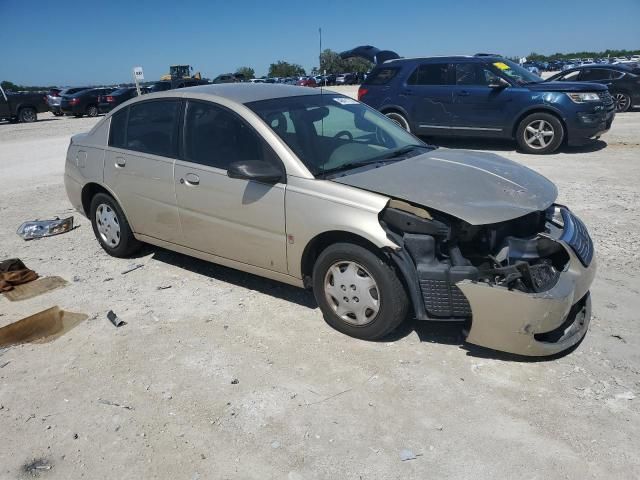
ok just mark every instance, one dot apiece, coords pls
pixel 227 375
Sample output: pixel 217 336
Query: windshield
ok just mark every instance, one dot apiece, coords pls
pixel 331 133
pixel 515 72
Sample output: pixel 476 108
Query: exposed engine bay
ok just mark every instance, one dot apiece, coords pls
pixel 519 254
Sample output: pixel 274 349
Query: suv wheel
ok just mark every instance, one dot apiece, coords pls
pixel 399 119
pixel 358 292
pixel 111 228
pixel 622 101
pixel 540 133
pixel 92 111
pixel 27 115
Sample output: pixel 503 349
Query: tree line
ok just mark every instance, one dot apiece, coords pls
pixel 537 57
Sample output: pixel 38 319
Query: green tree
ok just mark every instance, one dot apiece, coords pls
pixel 332 63
pixel 7 85
pixel 247 72
pixel 286 69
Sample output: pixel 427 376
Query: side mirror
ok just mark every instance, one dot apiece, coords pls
pixel 499 83
pixel 257 170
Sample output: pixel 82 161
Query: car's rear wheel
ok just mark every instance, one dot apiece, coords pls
pixel 111 227
pixel 399 119
pixel 540 133
pixel 359 293
pixel 27 115
pixel 92 111
pixel 622 101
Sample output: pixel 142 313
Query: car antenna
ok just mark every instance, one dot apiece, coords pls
pixel 321 89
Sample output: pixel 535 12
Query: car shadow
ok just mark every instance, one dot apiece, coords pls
pixel 504 145
pixel 263 285
pixel 445 333
pixel 37 121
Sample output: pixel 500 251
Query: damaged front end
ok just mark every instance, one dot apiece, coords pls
pixel 521 286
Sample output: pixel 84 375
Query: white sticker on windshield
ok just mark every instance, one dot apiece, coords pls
pixel 345 101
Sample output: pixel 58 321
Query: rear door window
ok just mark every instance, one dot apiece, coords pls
pixel 381 76
pixel 430 74
pixel 152 127
pixel 594 74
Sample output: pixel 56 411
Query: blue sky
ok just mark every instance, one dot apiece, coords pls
pixel 89 42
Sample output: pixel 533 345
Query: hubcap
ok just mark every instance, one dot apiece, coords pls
pixel 622 102
pixel 352 292
pixel 108 225
pixel 28 115
pixel 539 134
pixel 93 111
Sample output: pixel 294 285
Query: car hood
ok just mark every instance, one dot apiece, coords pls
pixel 553 86
pixel 479 188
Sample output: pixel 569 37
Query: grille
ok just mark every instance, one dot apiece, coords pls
pixel 606 97
pixel 442 299
pixel 577 237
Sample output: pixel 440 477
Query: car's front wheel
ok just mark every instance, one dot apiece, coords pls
pixel 399 119
pixel 540 133
pixel 359 293
pixel 111 227
pixel 622 101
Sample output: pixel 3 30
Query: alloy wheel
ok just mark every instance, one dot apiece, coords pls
pixel 399 119
pixel 352 292
pixel 108 225
pixel 621 102
pixel 539 134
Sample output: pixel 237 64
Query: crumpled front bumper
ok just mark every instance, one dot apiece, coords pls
pixel 535 324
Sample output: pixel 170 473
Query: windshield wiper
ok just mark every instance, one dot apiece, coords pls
pixel 393 154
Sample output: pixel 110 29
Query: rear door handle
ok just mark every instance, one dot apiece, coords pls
pixel 191 179
pixel 120 162
pixel 408 93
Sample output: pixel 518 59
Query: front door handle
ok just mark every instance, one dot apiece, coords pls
pixel 463 93
pixel 120 162
pixel 191 179
pixel 408 93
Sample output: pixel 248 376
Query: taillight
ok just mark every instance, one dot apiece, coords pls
pixel 110 99
pixel 73 101
pixel 362 92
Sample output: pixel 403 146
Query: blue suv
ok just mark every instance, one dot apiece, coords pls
pixel 484 96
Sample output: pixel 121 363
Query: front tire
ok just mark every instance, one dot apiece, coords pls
pixel 539 133
pixel 111 227
pixel 358 292
pixel 27 115
pixel 399 119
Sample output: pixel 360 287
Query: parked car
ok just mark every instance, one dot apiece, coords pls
pixel 84 102
pixel 106 103
pixel 53 95
pixel 306 82
pixel 55 101
pixel 486 96
pixel 532 67
pixel 226 78
pixel 346 79
pixel 623 85
pixel 21 107
pixel 160 86
pixel 397 226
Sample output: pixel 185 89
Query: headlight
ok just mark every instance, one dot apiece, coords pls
pixel 583 97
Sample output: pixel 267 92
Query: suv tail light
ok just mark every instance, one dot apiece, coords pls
pixel 110 99
pixel 362 91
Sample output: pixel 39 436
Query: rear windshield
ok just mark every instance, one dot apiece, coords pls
pixel 121 91
pixel 381 76
pixel 160 87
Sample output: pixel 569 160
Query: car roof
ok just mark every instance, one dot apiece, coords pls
pixel 596 66
pixel 242 92
pixel 447 58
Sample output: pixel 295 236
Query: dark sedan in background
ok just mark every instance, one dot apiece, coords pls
pixel 54 100
pixel 623 82
pixel 106 103
pixel 84 102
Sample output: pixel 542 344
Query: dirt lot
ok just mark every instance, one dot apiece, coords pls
pixel 308 403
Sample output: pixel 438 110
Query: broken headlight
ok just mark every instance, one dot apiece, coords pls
pixel 45 228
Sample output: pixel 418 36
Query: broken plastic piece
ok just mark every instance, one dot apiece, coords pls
pixel 45 228
pixel 113 318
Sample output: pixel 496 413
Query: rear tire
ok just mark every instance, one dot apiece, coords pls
pixel 358 292
pixel 540 133
pixel 92 111
pixel 622 102
pixel 111 227
pixel 399 119
pixel 27 115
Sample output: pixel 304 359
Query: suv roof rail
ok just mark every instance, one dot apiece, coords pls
pixel 487 55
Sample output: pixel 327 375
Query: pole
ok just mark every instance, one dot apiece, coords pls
pixel 135 77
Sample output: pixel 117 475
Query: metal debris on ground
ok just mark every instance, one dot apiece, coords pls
pixel 132 267
pixel 36 466
pixel 235 381
pixel 114 404
pixel 163 287
pixel 45 228
pixel 113 318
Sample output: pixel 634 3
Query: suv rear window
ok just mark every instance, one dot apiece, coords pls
pixel 381 76
pixel 430 74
